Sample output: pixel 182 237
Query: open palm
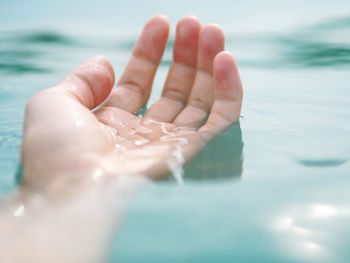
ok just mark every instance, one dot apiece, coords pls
pixel 202 96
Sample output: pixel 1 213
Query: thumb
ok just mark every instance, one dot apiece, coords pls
pixel 84 88
pixel 90 83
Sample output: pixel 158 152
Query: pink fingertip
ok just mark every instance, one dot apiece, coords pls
pixel 224 64
pixel 226 73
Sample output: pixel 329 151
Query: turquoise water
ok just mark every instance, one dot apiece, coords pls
pixel 273 188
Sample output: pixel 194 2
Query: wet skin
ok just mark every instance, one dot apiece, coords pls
pixel 64 141
pixel 85 150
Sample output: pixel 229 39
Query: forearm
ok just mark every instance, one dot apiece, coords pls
pixel 73 228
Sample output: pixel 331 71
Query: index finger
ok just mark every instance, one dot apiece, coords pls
pixel 135 84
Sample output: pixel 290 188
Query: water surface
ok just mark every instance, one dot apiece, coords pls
pixel 273 188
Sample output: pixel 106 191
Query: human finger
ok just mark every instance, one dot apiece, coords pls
pixel 181 74
pixel 135 84
pixel 211 42
pixel 228 94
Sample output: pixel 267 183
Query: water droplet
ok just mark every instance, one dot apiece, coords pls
pixel 19 211
pixel 96 174
pixel 141 142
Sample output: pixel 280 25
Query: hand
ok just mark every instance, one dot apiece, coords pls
pixel 64 141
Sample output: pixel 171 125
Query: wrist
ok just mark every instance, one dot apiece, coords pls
pixel 60 177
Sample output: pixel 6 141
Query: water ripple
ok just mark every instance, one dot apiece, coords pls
pixel 322 162
pixel 44 37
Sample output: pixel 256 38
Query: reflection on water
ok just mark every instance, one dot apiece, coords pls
pixel 305 234
pixel 221 159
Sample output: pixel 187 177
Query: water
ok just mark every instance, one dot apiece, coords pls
pixel 272 189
